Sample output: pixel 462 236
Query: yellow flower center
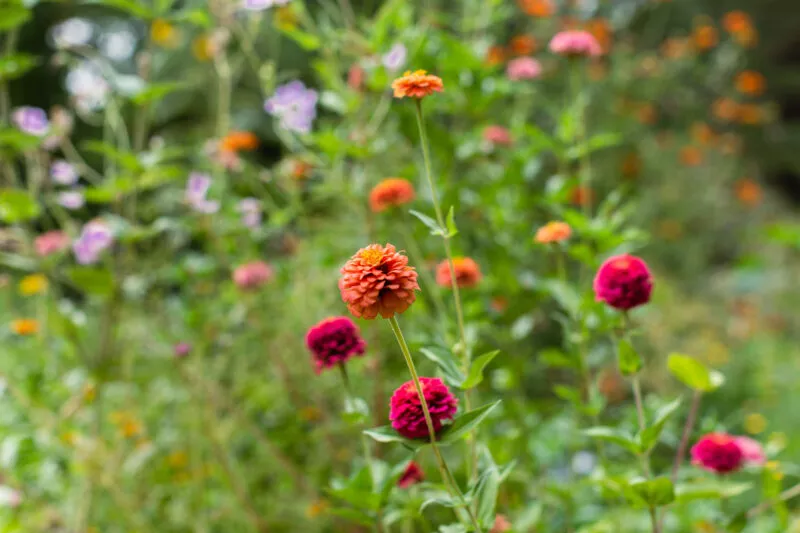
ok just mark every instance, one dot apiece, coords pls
pixel 371 256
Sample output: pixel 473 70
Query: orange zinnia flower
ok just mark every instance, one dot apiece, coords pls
pixel 378 280
pixel 417 84
pixel 702 133
pixel 553 232
pixel 238 141
pixel 691 156
pixel 725 109
pixel 495 56
pixel 25 326
pixel 705 37
pixel 739 25
pixel 467 271
pixel 601 30
pixel 751 83
pixel 537 8
pixel 522 45
pixel 748 192
pixel 391 192
pixel 675 47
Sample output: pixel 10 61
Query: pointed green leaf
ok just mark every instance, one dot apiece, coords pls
pixel 447 363
pixel 434 226
pixel 629 361
pixel 92 280
pixel 616 436
pixel 388 434
pixel 15 65
pixel 451 223
pixel 655 492
pixel 693 373
pixel 17 205
pixel 649 436
pixel 12 16
pixel 465 423
pixel 476 370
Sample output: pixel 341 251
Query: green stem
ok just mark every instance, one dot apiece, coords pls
pixel 444 470
pixel 419 258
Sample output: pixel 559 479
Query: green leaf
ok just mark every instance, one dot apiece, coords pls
pixel 156 91
pixel 486 491
pixel 134 7
pixel 352 515
pixel 565 294
pixel 307 41
pixel 597 142
pixel 465 423
pixel 452 230
pixel 649 436
pixel 15 65
pixel 655 492
pixel 17 206
pixel 447 363
pixel 476 370
pixel 628 360
pixel 92 280
pixel 356 411
pixel 440 498
pixel 125 159
pixel 17 140
pixel 693 373
pixel 616 436
pixel 12 16
pixel 710 490
pixel 434 226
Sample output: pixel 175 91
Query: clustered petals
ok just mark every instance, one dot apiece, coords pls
pixel 411 476
pixel 391 192
pixel 553 232
pixel 406 413
pixel 333 341
pixel 467 272
pixel 722 453
pixel 623 282
pixel 377 280
pixel 417 84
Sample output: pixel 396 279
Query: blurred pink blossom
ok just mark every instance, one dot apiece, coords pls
pixel 523 68
pixel 575 43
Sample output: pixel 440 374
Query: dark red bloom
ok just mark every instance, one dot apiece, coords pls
pixel 623 282
pixel 406 412
pixel 412 475
pixel 334 341
pixel 718 452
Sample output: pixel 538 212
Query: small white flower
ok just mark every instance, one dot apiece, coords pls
pixel 71 33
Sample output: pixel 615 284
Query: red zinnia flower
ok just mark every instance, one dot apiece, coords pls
pixel 412 475
pixel 334 341
pixel 406 412
pixel 378 280
pixel 718 452
pixel 623 282
pixel 468 273
pixel 252 275
pixel 417 84
pixel 391 192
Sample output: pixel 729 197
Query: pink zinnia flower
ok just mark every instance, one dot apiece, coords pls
pixel 51 242
pixel 623 282
pixel 575 43
pixel 468 273
pixel 497 135
pixel 411 476
pixel 718 452
pixel 501 524
pixel 252 275
pixel 523 68
pixel 752 451
pixel 333 341
pixel 406 412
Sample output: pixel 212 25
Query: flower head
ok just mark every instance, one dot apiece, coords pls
pixel 25 326
pixel 623 282
pixel 751 83
pixel 294 105
pixel 752 451
pixel 333 341
pixel 50 242
pixel 32 284
pixel 31 120
pixel 537 8
pixel 748 192
pixel 417 84
pixel 378 280
pixel 391 192
pixel 63 173
pixel 406 412
pixel 195 195
pixel 411 476
pixel 575 43
pixel 467 271
pixel 260 5
pixel 523 68
pixel 497 135
pixel 551 232
pixel 239 141
pixel 73 199
pixel 250 208
pixel 253 275
pixel 95 237
pixel 718 452
pixel 705 37
pixel 522 45
pixel 501 524
pixel 182 349
pixel 395 58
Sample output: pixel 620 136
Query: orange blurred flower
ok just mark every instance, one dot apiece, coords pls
pixel 25 326
pixel 522 45
pixel 725 109
pixel 499 304
pixel 740 26
pixel 750 114
pixel 581 195
pixel 611 385
pixel 748 192
pixel 751 83
pixel 238 141
pixel 691 156
pixel 300 169
pixel 702 133
pixel 495 56
pixel 417 84
pixel 705 37
pixel 537 8
pixel 467 271
pixel 391 192
pixel 552 232
pixel 675 47
pixel 601 30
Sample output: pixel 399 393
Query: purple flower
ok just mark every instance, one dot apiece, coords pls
pixel 250 208
pixel 294 105
pixel 196 189
pixel 73 199
pixel 260 5
pixel 95 237
pixel 31 120
pixel 395 58
pixel 182 349
pixel 63 173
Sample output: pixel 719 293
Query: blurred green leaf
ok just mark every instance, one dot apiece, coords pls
pixel 157 91
pixel 655 492
pixel 447 363
pixel 465 423
pixel 389 434
pixel 597 142
pixel 476 370
pixel 17 140
pixel 17 206
pixel 617 436
pixel 486 492
pixel 649 436
pixel 307 41
pixel 12 16
pixel 693 373
pixel 92 280
pixel 452 230
pixel 628 359
pixel 434 226
pixel 133 7
pixel 15 65
pixel 125 159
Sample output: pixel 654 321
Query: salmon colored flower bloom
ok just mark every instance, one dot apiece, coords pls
pixel 575 43
pixel 748 192
pixel 750 114
pixel 417 84
pixel 51 242
pixel 495 56
pixel 411 476
pixel 601 30
pixel 391 192
pixel 553 232
pixel 468 273
pixel 252 275
pixel 751 83
pixel 522 45
pixel 725 109
pixel 355 77
pixel 33 284
pixel 378 280
pixel 581 195
pixel 333 341
pixel 537 8
pixel 523 68
pixel 623 282
pixel 691 156
pixel 501 525
pixel 718 452
pixel 705 37
pixel 239 141
pixel 497 135
pixel 25 326
pixel 406 412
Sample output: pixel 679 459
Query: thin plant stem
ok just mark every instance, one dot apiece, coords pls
pixel 687 431
pixel 788 494
pixel 444 470
pixel 416 251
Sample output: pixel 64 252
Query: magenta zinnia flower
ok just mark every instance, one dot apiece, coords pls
pixel 411 476
pixel 333 341
pixel 406 412
pixel 623 282
pixel 575 43
pixel 719 453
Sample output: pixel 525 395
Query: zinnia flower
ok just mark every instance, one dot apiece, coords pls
pixel 501 524
pixel 239 141
pixel 575 43
pixel 378 280
pixel 391 192
pixel 705 37
pixel 748 192
pixel 294 105
pixel 623 282
pixel 719 453
pixel 411 476
pixel 197 187
pixel 25 326
pixel 468 273
pixel 417 84
pixel 497 135
pixel 522 45
pixel 250 208
pixel 553 232
pixel 406 412
pixel 523 68
pixel 73 199
pixel 252 275
pixel 333 341
pixel 50 242
pixel 751 83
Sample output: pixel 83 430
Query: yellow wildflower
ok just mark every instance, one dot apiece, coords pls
pixel 33 284
pixel 164 34
pixel 755 423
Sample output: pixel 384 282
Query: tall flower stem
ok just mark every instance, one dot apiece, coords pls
pixel 427 278
pixel 423 136
pixel 687 431
pixel 447 476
